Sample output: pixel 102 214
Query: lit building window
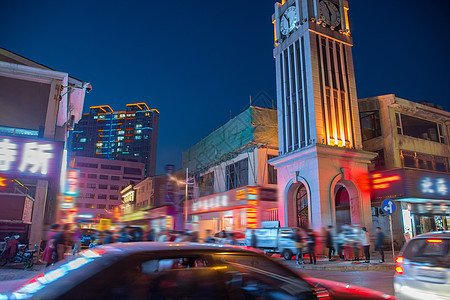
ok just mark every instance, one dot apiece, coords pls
pixel 138 131
pixel 120 138
pixel 83 140
pixel 121 132
pixel 138 125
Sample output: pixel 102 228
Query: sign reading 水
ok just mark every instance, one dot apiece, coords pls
pixel 30 157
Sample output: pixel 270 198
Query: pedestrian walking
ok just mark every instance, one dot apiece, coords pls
pixel 151 235
pixel 109 238
pixel 61 241
pixel 379 243
pixel 76 241
pixel 311 241
pixel 298 238
pixel 49 254
pixel 340 239
pixel 163 237
pixel 254 239
pixel 330 242
pixel 365 242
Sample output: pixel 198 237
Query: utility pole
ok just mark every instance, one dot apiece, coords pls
pixel 186 200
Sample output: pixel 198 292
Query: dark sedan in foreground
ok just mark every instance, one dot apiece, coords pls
pixel 149 270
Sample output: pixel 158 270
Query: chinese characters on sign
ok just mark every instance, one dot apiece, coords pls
pixel 433 186
pixel 28 157
pixel 211 203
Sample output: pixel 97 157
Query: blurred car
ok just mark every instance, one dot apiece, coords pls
pixel 423 267
pixel 225 237
pixel 136 232
pixel 149 270
pixel 86 237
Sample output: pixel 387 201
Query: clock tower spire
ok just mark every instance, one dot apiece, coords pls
pixel 320 159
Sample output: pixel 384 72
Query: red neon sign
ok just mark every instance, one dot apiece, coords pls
pixel 383 182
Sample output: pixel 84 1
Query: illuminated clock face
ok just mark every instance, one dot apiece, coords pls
pixel 288 20
pixel 329 13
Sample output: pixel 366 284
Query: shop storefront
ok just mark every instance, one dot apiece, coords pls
pixel 234 210
pixel 161 218
pixel 422 197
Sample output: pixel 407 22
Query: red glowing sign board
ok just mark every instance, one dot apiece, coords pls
pixel 72 181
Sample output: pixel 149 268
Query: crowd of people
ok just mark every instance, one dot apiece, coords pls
pixel 346 244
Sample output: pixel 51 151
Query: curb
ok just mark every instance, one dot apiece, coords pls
pixel 341 267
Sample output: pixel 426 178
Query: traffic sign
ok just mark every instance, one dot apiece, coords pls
pixel 388 206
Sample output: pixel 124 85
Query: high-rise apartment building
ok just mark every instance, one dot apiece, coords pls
pixel 129 135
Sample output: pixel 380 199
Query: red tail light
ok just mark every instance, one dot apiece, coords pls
pixel 399 260
pixel 399 269
pixel 434 241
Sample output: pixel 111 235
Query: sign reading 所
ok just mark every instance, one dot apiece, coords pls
pixel 30 157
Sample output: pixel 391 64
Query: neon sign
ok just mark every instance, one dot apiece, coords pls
pixel 383 182
pixel 210 203
pixel 73 178
pixel 430 186
pixel 29 157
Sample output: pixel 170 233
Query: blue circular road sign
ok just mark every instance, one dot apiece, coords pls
pixel 388 206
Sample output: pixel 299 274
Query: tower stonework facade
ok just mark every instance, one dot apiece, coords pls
pixel 322 170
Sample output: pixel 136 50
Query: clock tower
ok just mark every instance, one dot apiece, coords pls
pixel 322 170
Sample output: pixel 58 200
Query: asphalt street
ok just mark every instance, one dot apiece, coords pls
pixel 378 280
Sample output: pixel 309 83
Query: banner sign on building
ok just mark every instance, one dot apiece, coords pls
pixel 410 183
pixel 72 182
pixel 23 157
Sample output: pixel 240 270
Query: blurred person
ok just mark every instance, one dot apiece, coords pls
pixel 340 240
pixel 330 242
pixel 10 250
pixel 298 238
pixel 194 237
pixel 233 240
pixel 49 254
pixel 76 240
pixel 62 239
pixel 93 243
pixel 311 241
pixel 407 236
pixel 254 239
pixel 109 238
pixel 124 237
pixel 163 237
pixel 379 239
pixel 151 235
pixel 365 242
pixel 180 237
pixel 209 238
pixel 172 236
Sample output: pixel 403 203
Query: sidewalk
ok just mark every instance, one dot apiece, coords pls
pixel 341 265
pixel 16 272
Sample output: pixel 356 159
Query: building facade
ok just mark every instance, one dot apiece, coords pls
pixel 232 187
pixel 412 143
pixel 129 135
pixel 321 164
pixel 39 106
pixel 101 181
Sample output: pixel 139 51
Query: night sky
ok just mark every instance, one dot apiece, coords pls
pixel 195 61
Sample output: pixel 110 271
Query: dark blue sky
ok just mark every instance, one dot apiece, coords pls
pixel 195 61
